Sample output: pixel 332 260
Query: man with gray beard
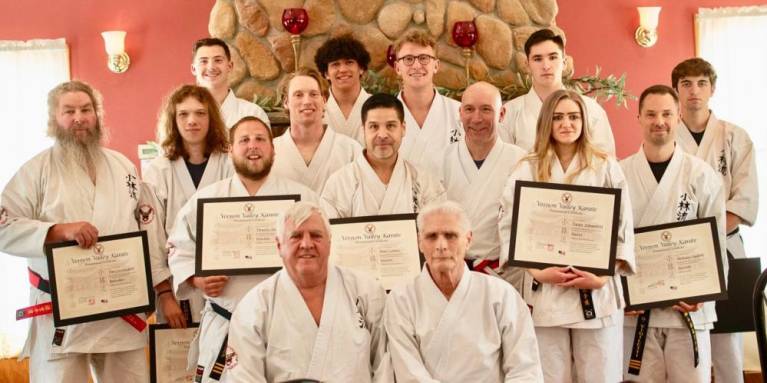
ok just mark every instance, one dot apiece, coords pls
pixel 77 191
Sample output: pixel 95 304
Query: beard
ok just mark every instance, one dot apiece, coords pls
pixel 255 172
pixel 79 151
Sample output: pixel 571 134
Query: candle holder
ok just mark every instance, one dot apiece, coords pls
pixel 465 34
pixel 391 56
pixel 295 21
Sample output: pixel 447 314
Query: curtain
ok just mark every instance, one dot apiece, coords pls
pixel 30 69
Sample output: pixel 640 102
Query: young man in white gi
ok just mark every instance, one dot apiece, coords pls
pixel 252 155
pixel 729 150
pixel 431 118
pixel 343 61
pixel 381 181
pixel 211 65
pixel 308 152
pixel 77 191
pixel 195 147
pixel 476 169
pixel 454 325
pixel 311 319
pixel 669 185
pixel 546 59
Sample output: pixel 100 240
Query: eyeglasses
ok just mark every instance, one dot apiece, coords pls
pixel 422 59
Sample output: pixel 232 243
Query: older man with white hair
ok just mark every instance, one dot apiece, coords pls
pixel 454 325
pixel 310 319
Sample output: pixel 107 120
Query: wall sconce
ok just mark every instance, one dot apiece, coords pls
pixel 647 33
pixel 114 42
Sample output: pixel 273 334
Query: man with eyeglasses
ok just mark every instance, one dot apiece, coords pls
pixel 546 59
pixel 431 118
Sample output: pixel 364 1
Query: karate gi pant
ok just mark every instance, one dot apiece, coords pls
pixel 668 356
pixel 125 367
pixel 580 355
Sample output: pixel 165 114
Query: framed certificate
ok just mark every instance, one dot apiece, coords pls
pixel 108 280
pixel 385 247
pixel 168 350
pixel 564 225
pixel 235 235
pixel 679 261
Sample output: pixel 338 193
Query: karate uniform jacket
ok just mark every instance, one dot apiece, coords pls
pixel 352 126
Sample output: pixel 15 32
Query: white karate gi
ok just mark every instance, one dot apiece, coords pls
pixel 44 192
pixel 213 327
pixel 424 146
pixel 335 151
pixel 173 185
pixel 689 189
pixel 355 190
pixel 274 337
pixel 479 191
pixel 729 150
pixel 352 126
pixel 484 333
pixel 521 121
pixel 233 109
pixel 566 340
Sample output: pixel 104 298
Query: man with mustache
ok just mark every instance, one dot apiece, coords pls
pixel 729 150
pixel 308 152
pixel 310 319
pixel 78 190
pixel 211 65
pixel 476 169
pixel 546 59
pixel 252 156
pixel 381 181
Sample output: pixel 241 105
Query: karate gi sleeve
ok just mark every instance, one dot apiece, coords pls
pixel 506 127
pixel 521 360
pixel 431 189
pixel 153 176
pixel 330 201
pixel 711 204
pixel 743 200
pixel 182 247
pixel 246 340
pixel 21 232
pixel 406 358
pixel 625 248
pixel 150 216
pixel 601 131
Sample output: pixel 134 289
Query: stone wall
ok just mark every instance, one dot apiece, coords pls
pixel 262 52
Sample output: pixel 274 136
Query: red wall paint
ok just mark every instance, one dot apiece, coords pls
pixel 159 43
pixel 602 33
pixel 160 34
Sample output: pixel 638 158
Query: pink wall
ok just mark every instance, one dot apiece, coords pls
pixel 160 34
pixel 602 33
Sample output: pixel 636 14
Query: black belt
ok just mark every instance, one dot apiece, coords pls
pixel 640 336
pixel 39 282
pixel 587 304
pixel 218 367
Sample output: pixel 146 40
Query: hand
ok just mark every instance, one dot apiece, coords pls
pixel 731 222
pixel 584 280
pixel 685 308
pixel 212 286
pixel 553 275
pixel 172 311
pixel 85 234
pixel 633 313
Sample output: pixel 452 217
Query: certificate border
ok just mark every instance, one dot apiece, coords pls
pixel 150 306
pixel 381 218
pixel 692 299
pixel 519 184
pixel 198 271
pixel 153 328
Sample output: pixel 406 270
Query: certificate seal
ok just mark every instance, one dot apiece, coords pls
pixel 248 207
pixel 567 198
pixel 370 228
pixel 666 236
pixel 98 249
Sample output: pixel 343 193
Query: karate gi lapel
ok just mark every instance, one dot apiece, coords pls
pixel 324 337
pixel 417 137
pixel 321 158
pixel 399 192
pixel 659 194
pixel 113 187
pixel 528 120
pixel 369 192
pixel 185 179
pixel 478 179
pixel 351 126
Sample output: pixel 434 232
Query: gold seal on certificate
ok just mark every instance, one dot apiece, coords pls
pixel 108 280
pixel 236 235
pixel 385 247
pixel 168 350
pixel 564 225
pixel 678 261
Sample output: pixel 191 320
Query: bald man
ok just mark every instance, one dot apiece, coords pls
pixel 475 170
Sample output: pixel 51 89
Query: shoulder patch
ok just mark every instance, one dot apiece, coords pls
pixel 145 214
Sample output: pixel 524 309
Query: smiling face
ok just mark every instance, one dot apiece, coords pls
pixel 192 120
pixel 211 67
pixel 76 117
pixel 480 112
pixel 383 133
pixel 546 61
pixel 305 101
pixel 659 118
pixel 305 248
pixel 252 150
pixel 417 75
pixel 344 75
pixel 567 123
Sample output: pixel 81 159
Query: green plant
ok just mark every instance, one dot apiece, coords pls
pixel 602 88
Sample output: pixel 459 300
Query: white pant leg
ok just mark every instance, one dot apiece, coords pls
pixel 125 366
pixel 72 368
pixel 727 357
pixel 653 367
pixel 678 355
pixel 213 330
pixel 555 351
pixel 597 354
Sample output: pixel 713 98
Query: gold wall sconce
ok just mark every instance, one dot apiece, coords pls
pixel 114 42
pixel 647 33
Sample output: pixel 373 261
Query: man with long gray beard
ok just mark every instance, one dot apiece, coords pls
pixel 252 154
pixel 77 190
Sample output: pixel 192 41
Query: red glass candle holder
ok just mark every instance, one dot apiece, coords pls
pixel 295 20
pixel 465 33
